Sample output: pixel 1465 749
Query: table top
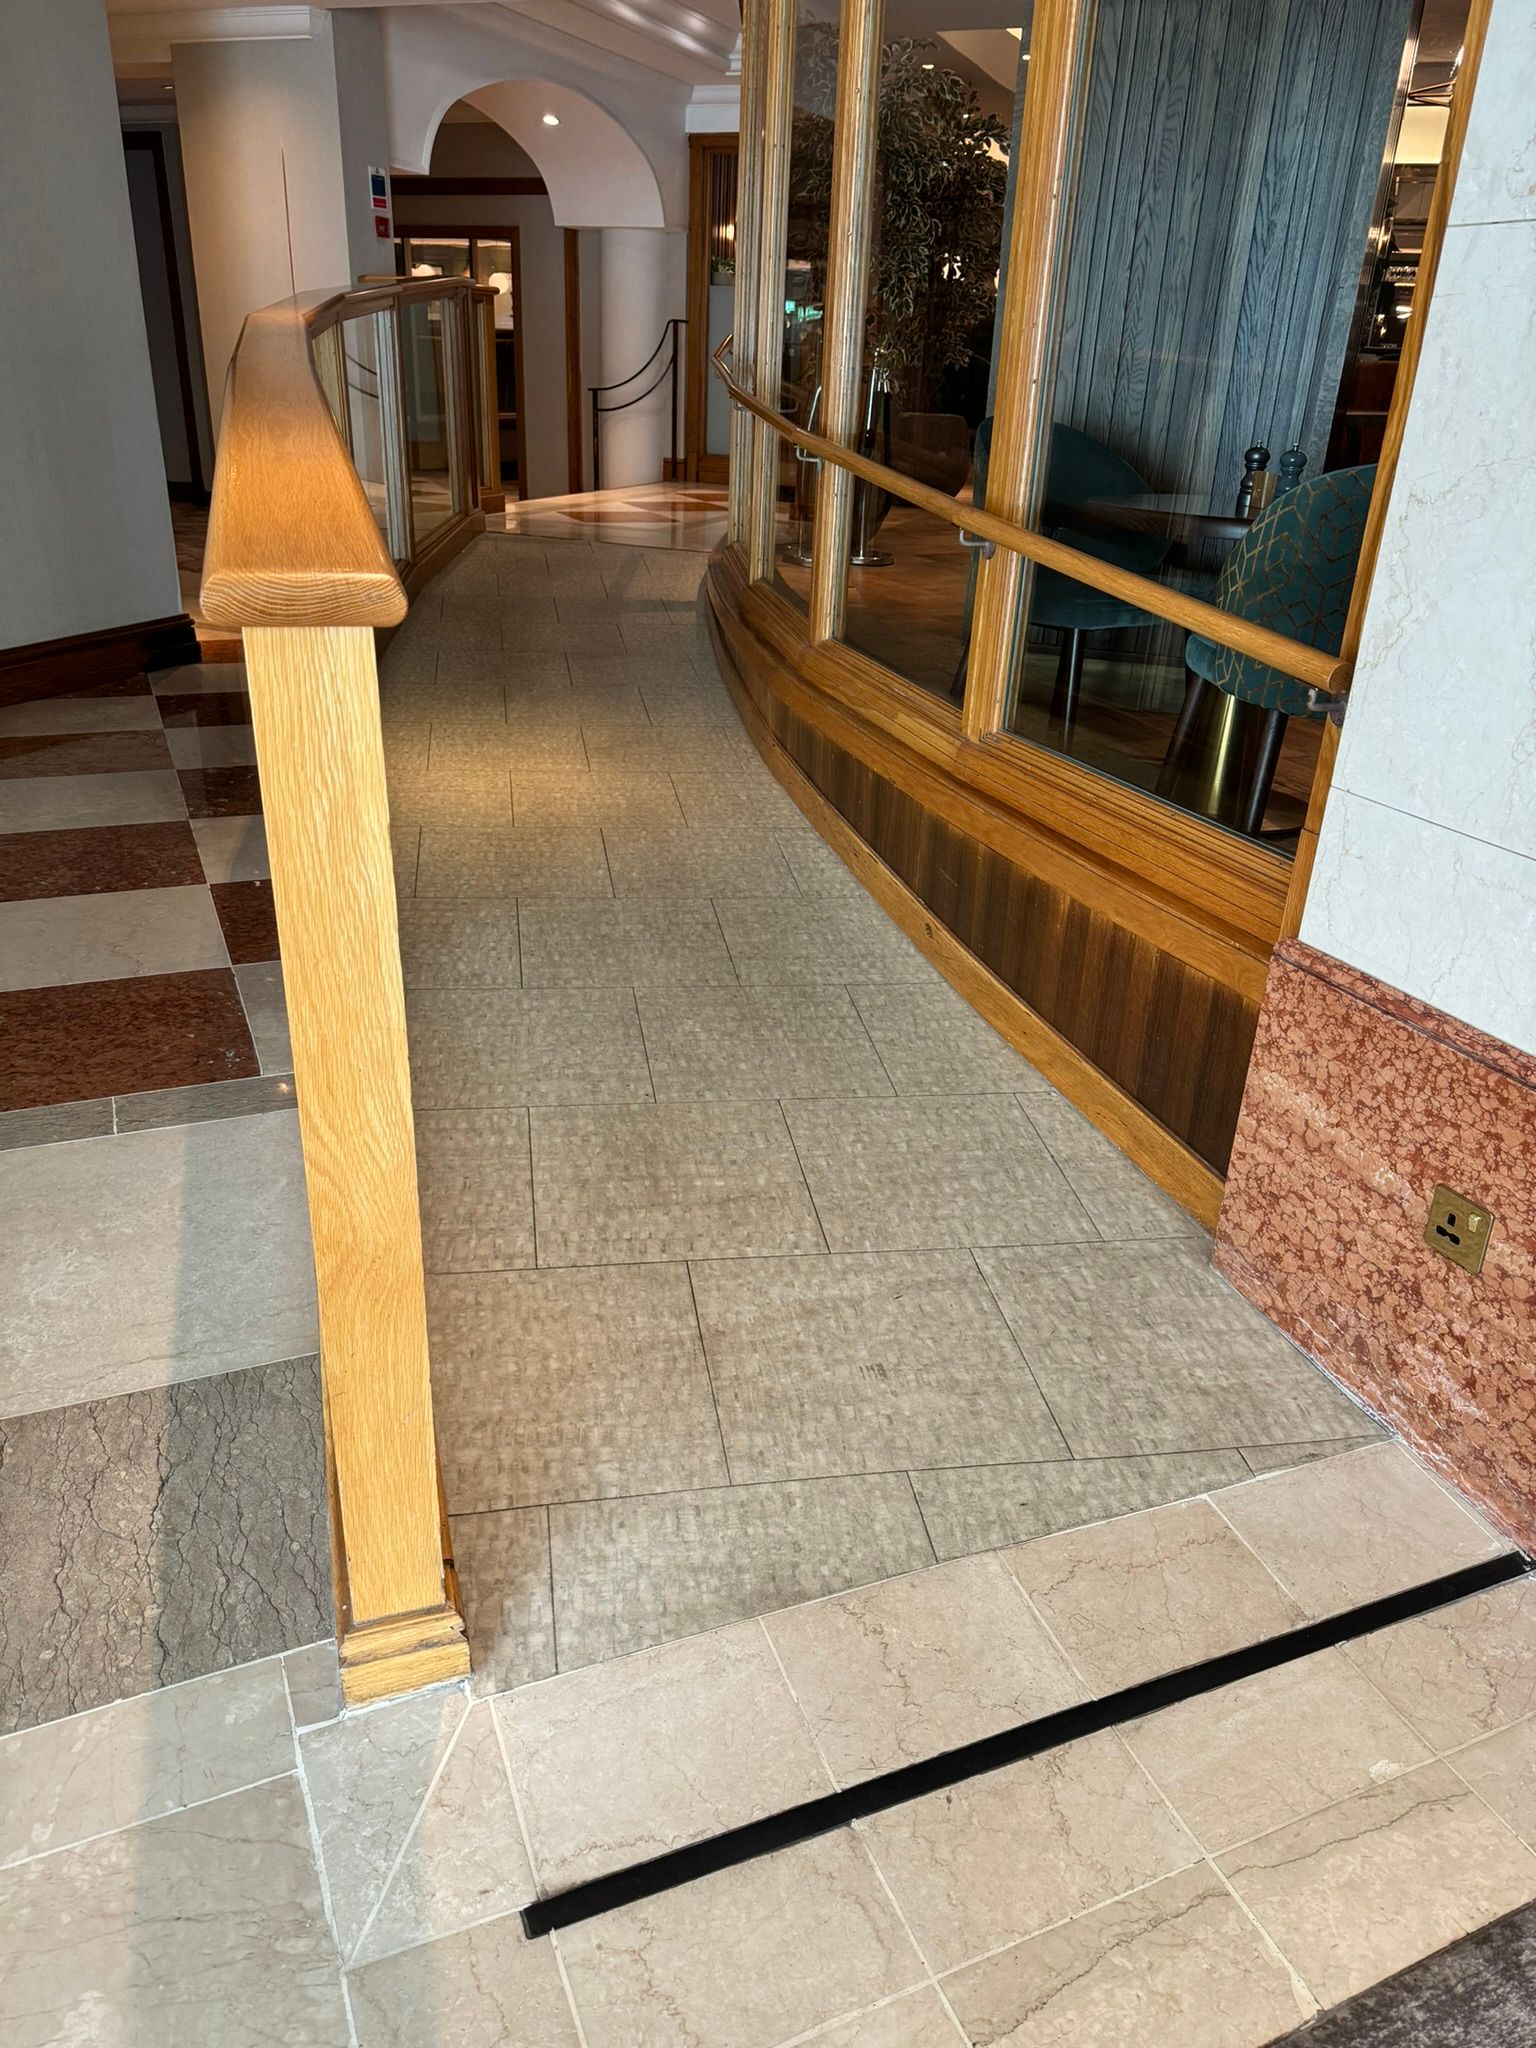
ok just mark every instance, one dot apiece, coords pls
pixel 1181 515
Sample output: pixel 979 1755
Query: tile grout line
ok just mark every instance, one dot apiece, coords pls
pixel 143 1820
pixel 709 1375
pixel 789 1686
pixel 1025 1359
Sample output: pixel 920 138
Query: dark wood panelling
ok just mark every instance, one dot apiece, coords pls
pixel 95 661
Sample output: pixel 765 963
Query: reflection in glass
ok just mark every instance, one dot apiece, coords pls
pixel 425 325
pixel 360 357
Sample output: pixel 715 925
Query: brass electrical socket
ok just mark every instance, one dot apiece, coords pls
pixel 1458 1229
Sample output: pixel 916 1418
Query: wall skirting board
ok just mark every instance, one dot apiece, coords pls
pixel 85 661
pixel 1360 1101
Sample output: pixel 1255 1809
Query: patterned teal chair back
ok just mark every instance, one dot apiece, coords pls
pixel 1293 571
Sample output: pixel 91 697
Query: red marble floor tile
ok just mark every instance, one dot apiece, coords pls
pixel 248 918
pixel 91 861
pixel 100 1038
pixel 221 792
pixel 215 707
pixel 82 753
pixel 32 686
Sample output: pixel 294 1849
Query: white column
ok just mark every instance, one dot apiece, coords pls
pixel 639 295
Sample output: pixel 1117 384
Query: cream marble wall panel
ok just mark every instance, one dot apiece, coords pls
pixel 1497 177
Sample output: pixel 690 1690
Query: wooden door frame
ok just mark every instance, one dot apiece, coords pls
pixel 153 141
pixel 699 467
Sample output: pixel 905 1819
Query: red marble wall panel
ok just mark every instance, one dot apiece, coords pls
pixel 1359 1101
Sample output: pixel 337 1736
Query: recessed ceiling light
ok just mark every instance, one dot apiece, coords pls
pixel 927 67
pixel 551 120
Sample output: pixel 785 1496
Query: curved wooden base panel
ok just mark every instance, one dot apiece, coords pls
pixel 1151 1050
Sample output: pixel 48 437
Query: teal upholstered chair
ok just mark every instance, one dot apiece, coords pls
pixel 1293 571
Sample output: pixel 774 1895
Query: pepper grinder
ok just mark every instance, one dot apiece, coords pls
pixel 1292 463
pixel 1255 460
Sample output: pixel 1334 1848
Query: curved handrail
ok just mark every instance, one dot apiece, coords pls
pixel 1311 665
pixel 292 540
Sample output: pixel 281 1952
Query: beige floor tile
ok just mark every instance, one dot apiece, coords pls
pixel 266 1012
pixel 313 1675
pixel 673 747
pixel 570 1386
pixel 1150 1593
pixel 205 1929
pixel 232 849
pixel 448 942
pixel 368 1775
pixel 451 802
pixel 629 1759
pixel 212 746
pixel 1002 1856
pixel 1371 1885
pixel 1178 1965
pixel 755 1955
pixel 518 862
pixel 1142 1347
pixel 1119 1197
pixel 62 803
pixel 628 942
pixel 801 938
pixel 1263 1458
pixel 485 1988
pixel 865 1362
pixel 1462 1671
pixel 95 1772
pixel 110 936
pixel 735 799
pixel 915 1666
pixel 464 1859
pixel 1501 1769
pixel 1357 1527
pixel 496 1048
pixel 623 802
pixel 986 1507
pixel 746 1044
pixel 674 1181
pixel 631 1573
pixel 702 861
pixel 817 870
pixel 923 1175
pixel 503 1564
pixel 917 2019
pixel 1247 1759
pixel 475 1180
pixel 933 1042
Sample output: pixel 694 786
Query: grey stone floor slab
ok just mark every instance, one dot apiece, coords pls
pixel 266 1012
pixel 475 1179
pixel 159 1535
pixel 453 943
pixel 1119 1197
pixel 627 943
pixel 746 1044
pixel 499 1048
pixel 985 1507
pixel 520 861
pixel 933 1042
pixel 504 1574
pixel 801 938
pixel 110 936
pixel 697 861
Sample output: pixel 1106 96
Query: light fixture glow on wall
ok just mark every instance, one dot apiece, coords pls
pixel 551 120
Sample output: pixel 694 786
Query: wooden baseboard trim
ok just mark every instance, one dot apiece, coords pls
pixel 1177 1170
pixel 53 668
pixel 384 1658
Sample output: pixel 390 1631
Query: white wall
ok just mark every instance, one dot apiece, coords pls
pixel 85 532
pixel 1426 867
pixel 363 121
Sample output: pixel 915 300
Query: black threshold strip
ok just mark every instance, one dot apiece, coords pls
pixel 895 1788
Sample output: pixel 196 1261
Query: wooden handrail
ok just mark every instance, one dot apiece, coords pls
pixel 1311 665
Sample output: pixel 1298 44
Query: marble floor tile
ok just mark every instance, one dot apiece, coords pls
pixel 205 1929
pixel 151 1258
pixel 1392 1874
pixel 810 1935
pixel 1501 1769
pixel 1461 1671
pixel 451 942
pixel 139 1758
pixel 464 1859
pixel 518 862
pixel 107 937
pixel 101 858
pixel 1263 1458
pixel 83 1040
pixel 484 1988
pixel 212 746
pixel 220 792
pixel 204 708
pixel 504 1575
pixel 1119 1197
pixel 80 714
pixel 570 1386
pixel 627 802
pixel 1176 1965
pixel 313 1676
pixel 160 1535
pixel 631 1758
pixel 232 849
pixel 58 1125
pixel 1357 1527
pixel 1143 1347
pixel 986 1507
pixel 28 755
pixel 741 1044
pixel 1247 1759
pixel 498 1048
pixel 368 1776
pixel 724 800
pixel 1002 1856
pixel 630 1573
pixel 864 1363
pixel 697 861
pixel 1150 1593
pixel 475 1182
pixel 248 917
pixel 200 677
pixel 913 2019
pixel 207 1104
pixel 933 1042
pixel 915 1666
pixel 669 1181
pixel 920 1175
pixel 61 803
pixel 261 993
pixel 625 943
pixel 796 938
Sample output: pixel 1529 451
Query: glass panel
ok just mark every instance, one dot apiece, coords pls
pixel 428 433
pixel 442 258
pixel 493 266
pixel 1225 187
pixel 365 412
pixel 721 229
pixel 911 609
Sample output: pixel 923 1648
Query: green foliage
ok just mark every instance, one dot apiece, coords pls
pixel 939 195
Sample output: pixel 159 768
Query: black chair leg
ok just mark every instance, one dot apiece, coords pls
pixel 1257 802
pixel 1069 681
pixel 1184 726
